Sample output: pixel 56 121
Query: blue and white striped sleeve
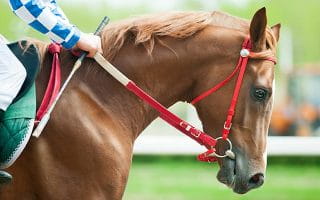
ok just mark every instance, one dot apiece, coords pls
pixel 48 19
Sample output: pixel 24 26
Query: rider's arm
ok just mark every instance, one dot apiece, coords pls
pixel 47 18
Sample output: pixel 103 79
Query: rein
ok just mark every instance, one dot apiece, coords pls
pixel 199 136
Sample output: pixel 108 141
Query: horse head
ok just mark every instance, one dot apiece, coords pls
pixel 249 129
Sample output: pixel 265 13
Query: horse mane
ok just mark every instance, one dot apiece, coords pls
pixel 146 30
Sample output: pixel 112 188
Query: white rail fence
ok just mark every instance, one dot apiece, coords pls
pixel 161 139
pixel 181 145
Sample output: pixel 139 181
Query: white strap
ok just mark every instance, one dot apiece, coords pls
pixel 111 69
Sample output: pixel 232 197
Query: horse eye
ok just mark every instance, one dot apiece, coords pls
pixel 259 94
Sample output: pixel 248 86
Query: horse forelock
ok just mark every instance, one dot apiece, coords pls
pixel 271 40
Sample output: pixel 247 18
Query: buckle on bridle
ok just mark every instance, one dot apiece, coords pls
pixel 227 127
pixel 195 133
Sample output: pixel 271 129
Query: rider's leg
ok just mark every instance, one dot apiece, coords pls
pixel 12 76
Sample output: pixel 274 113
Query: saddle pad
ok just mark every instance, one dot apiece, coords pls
pixel 16 125
pixel 28 55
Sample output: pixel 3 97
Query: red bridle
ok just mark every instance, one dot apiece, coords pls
pixel 199 136
pixel 245 54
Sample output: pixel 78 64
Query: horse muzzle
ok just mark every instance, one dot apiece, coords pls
pixel 239 174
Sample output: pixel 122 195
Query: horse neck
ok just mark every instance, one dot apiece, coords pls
pixel 169 75
pixel 167 78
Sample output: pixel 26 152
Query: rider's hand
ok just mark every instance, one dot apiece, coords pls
pixel 89 43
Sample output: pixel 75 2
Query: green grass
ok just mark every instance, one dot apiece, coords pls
pixel 177 178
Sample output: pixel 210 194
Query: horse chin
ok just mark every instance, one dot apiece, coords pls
pixel 226 174
pixel 237 177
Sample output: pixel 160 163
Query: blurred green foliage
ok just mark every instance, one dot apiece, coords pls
pixel 300 17
pixel 83 15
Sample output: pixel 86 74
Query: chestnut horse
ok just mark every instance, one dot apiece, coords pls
pixel 85 152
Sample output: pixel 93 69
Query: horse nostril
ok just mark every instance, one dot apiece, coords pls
pixel 256 180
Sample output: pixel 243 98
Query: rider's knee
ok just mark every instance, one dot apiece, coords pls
pixel 20 73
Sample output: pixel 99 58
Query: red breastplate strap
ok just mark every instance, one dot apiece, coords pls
pixel 53 84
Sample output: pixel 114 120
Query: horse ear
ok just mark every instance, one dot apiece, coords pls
pixel 258 28
pixel 276 31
